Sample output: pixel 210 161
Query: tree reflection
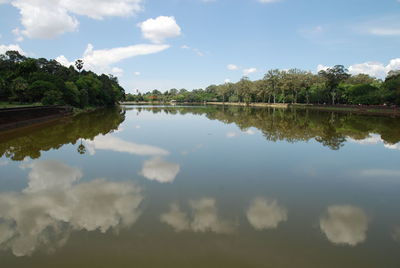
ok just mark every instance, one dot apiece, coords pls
pixel 30 143
pixel 295 125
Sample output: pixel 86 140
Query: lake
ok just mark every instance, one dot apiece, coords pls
pixel 202 186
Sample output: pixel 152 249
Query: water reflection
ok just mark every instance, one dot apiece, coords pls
pixel 331 129
pixel 52 206
pixel 116 144
pixel 265 214
pixel 203 218
pixel 158 169
pixel 374 139
pixel 396 234
pixel 31 142
pixel 345 225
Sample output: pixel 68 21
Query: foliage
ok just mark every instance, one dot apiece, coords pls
pixel 332 86
pixel 27 80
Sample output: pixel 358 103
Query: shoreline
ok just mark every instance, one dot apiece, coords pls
pixel 358 109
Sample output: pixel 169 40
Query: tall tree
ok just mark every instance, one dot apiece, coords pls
pixel 334 76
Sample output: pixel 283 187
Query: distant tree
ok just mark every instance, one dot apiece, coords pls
pixel 37 89
pixel 364 94
pixel 14 56
pixel 392 86
pixel 19 87
pixel 272 78
pixel 334 76
pixel 71 93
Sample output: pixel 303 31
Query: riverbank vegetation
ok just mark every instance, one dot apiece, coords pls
pixel 332 86
pixel 25 80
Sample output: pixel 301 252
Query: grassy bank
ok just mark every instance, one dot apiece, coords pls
pixel 5 105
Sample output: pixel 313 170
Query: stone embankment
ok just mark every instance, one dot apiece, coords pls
pixel 12 118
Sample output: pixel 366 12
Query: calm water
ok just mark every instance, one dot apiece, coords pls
pixel 202 187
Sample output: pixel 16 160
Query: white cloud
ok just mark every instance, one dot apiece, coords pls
pixel 385 26
pixel 98 9
pixel 227 80
pixel 384 31
pixel 46 19
pixel 321 67
pixel 195 50
pixel 5 48
pixel 160 28
pixel 119 145
pixel 160 170
pixel 232 67
pixel 64 61
pixel 100 60
pixel 18 35
pixel 136 73
pixel 265 214
pixel 249 71
pixel 117 71
pixel 44 214
pixel 345 225
pixel 204 218
pixel 376 69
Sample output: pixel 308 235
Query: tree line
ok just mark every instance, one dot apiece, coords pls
pixel 332 86
pixel 28 80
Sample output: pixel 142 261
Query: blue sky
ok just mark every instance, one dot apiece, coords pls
pixel 190 44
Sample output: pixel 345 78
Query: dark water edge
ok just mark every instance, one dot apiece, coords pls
pixel 13 118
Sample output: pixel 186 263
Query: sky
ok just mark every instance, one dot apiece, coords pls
pixel 163 44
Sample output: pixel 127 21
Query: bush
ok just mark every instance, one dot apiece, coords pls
pixel 363 94
pixel 52 97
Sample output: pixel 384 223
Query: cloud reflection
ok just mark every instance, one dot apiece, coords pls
pixel 265 214
pixel 345 225
pixel 119 145
pixel 374 139
pixel 204 218
pixel 158 169
pixel 45 213
pixel 396 234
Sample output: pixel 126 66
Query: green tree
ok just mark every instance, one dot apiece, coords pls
pixel 334 76
pixel 52 97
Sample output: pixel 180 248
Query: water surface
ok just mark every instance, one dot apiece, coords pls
pixel 202 186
